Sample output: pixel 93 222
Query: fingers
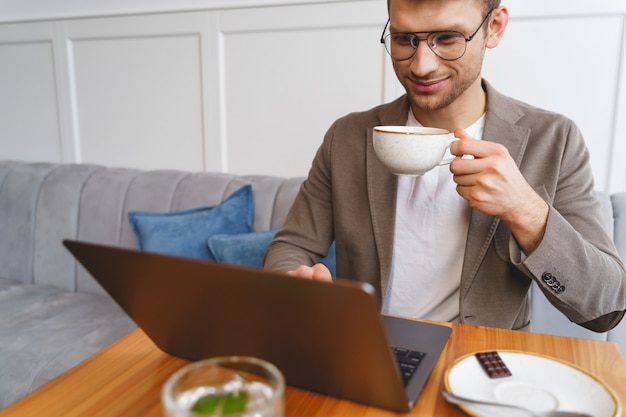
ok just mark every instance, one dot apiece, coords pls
pixel 317 272
pixel 467 145
pixel 321 273
pixel 302 271
pixel 459 147
pixel 461 134
pixel 481 157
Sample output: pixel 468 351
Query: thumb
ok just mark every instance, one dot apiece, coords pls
pixel 461 134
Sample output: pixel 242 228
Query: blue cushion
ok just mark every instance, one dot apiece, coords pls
pixel 184 233
pixel 249 248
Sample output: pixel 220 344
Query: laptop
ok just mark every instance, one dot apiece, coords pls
pixel 325 337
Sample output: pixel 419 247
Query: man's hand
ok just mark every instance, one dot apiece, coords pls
pixel 493 184
pixel 317 272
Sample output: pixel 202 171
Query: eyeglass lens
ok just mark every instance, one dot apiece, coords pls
pixel 447 45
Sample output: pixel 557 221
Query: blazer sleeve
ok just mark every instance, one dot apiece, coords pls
pixel 576 265
pixel 307 233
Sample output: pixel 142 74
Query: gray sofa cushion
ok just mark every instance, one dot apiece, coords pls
pixel 46 330
pixel 19 191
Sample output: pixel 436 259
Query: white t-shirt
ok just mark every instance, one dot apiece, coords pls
pixel 432 221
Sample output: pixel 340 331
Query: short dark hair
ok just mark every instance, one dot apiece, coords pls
pixel 487 5
pixel 490 5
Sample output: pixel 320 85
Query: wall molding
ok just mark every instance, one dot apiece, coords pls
pixel 37 10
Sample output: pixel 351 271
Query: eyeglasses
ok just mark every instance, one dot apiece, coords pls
pixel 449 44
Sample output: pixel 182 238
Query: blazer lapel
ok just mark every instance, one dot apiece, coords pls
pixel 382 187
pixel 500 127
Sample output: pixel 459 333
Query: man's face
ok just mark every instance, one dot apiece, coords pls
pixel 433 83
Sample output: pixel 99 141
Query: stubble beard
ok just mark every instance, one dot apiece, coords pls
pixel 443 99
pixel 431 102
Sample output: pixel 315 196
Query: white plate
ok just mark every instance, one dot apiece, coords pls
pixel 538 382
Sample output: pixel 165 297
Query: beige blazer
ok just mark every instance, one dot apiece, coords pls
pixel 350 197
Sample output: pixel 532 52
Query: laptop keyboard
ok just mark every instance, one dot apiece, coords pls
pixel 408 361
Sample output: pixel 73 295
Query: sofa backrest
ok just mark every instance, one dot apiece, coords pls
pixel 618 203
pixel 42 204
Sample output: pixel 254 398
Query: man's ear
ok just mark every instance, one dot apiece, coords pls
pixel 497 25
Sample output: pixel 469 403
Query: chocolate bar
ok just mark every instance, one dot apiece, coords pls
pixel 493 364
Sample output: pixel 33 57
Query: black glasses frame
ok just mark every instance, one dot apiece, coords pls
pixel 428 34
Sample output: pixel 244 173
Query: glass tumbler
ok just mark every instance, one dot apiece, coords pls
pixel 229 386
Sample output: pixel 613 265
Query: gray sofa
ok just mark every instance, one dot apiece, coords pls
pixel 52 313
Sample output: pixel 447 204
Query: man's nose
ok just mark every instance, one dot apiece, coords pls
pixel 424 61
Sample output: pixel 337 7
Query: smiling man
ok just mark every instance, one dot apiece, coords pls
pixel 460 243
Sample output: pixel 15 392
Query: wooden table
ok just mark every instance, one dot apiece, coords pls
pixel 125 379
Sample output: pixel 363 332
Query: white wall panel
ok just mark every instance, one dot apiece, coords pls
pixel 138 92
pixel 251 86
pixel 139 101
pixel 555 64
pixel 29 118
pixel 559 8
pixel 289 73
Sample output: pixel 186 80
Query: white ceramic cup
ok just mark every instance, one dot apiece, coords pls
pixel 411 150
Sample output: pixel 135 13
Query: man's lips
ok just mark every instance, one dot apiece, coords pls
pixel 427 86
